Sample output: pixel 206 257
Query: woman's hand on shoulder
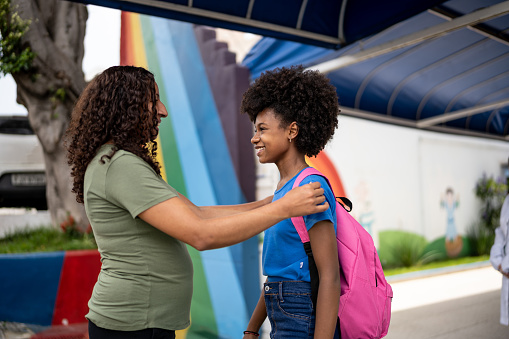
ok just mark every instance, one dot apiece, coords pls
pixel 304 200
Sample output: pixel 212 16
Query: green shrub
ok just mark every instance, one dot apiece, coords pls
pixel 492 193
pixel 45 239
pixel 403 249
pixel 481 239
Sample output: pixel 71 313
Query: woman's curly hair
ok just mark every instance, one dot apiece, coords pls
pixel 114 107
pixel 295 94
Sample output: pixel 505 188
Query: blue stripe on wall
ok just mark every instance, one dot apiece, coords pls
pixel 30 297
pixel 196 176
pixel 223 282
pixel 208 123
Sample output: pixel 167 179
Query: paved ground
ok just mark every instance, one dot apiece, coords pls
pixel 12 219
pixel 458 305
pixel 468 317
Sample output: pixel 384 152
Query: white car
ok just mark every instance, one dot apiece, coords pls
pixel 22 174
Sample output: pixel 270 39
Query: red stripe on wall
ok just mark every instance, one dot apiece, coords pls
pixel 79 275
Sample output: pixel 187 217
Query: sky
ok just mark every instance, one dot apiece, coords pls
pixel 102 50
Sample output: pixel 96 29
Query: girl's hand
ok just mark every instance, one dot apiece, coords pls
pixel 304 200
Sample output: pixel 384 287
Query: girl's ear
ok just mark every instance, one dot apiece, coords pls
pixel 293 130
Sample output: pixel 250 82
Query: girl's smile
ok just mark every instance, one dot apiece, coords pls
pixel 259 150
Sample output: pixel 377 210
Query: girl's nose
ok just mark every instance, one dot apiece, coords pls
pixel 255 138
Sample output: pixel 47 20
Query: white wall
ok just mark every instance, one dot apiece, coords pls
pixel 397 176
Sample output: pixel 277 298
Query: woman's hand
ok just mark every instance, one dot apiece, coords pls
pixel 304 200
pixel 505 274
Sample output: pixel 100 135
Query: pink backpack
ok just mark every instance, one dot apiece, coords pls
pixel 365 299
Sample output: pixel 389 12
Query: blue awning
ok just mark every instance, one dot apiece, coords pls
pixel 324 23
pixel 456 82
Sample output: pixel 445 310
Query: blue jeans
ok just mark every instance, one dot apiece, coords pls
pixel 290 310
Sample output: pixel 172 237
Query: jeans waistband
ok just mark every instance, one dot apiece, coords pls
pixel 287 287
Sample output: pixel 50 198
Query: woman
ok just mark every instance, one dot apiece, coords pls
pixel 295 114
pixel 140 223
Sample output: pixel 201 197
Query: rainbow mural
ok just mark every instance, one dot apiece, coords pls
pixel 197 157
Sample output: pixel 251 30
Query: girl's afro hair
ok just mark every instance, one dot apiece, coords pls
pixel 295 94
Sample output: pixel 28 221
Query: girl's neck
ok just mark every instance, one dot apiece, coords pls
pixel 289 169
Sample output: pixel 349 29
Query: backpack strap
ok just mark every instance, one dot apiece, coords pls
pixel 300 226
pixel 298 222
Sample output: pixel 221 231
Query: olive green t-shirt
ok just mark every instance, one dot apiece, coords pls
pixel 146 275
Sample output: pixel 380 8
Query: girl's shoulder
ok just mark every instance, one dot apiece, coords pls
pixel 327 190
pixel 316 178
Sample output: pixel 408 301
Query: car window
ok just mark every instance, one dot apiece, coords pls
pixel 15 125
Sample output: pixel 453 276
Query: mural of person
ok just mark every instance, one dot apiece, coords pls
pixel 364 214
pixel 453 241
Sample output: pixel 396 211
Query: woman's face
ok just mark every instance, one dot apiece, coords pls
pixel 160 108
pixel 270 139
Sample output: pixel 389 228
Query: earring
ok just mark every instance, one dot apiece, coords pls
pixel 290 139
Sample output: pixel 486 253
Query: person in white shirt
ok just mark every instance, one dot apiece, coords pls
pixel 499 258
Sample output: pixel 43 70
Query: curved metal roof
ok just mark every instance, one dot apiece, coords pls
pixel 326 23
pixel 454 80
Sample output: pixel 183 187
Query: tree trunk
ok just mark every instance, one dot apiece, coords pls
pixel 50 89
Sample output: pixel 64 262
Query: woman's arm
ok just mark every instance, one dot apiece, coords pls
pixel 323 244
pixel 257 318
pixel 207 212
pixel 175 218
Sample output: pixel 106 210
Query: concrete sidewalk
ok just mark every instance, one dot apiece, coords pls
pixel 453 305
pixel 434 286
pixel 475 316
pixel 13 219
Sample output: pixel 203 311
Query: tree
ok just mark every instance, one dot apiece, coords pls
pixel 43 47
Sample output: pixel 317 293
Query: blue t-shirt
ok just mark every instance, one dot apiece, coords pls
pixel 283 256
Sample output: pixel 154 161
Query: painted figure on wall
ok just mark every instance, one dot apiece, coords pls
pixel 453 241
pixel 364 212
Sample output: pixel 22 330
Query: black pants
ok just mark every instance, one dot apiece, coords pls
pixel 95 332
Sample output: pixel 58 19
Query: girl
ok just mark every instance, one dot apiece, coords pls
pixel 295 114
